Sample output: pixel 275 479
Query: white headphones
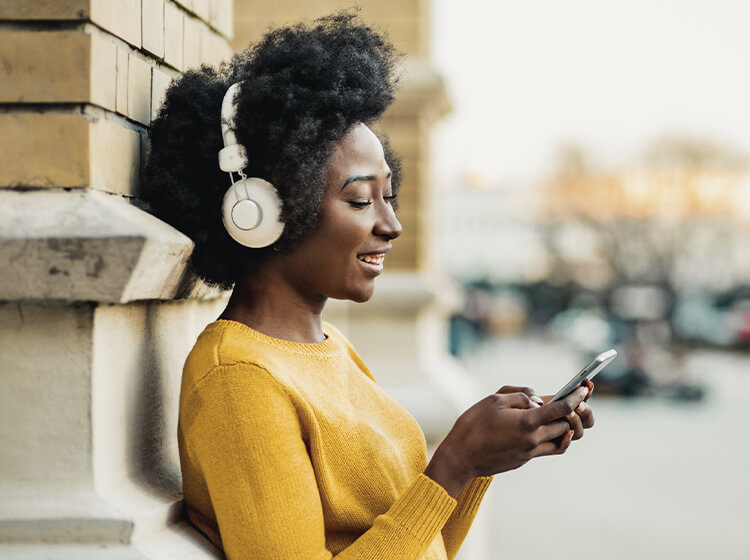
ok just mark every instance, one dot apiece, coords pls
pixel 251 210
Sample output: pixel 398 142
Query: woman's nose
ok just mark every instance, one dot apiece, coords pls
pixel 387 224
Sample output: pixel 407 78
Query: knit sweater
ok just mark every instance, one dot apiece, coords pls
pixel 291 450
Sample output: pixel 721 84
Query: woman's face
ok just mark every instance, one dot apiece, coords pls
pixel 344 254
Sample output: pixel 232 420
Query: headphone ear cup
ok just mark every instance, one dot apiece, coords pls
pixel 251 212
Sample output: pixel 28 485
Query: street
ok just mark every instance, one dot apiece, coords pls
pixel 653 479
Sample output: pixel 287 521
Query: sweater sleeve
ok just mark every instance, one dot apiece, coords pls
pixel 455 530
pixel 244 435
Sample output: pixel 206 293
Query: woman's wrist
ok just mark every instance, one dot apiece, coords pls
pixel 447 470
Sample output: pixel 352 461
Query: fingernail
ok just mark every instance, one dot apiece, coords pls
pixel 537 400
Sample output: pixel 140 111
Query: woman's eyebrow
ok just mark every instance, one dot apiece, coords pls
pixel 356 178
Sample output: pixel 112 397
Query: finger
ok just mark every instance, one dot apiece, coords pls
pixel 516 400
pixel 553 430
pixel 507 389
pixel 590 386
pixel 558 409
pixel 586 383
pixel 586 415
pixel 565 442
pixel 553 447
pixel 575 424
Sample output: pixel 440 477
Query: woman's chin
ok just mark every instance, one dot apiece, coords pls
pixel 359 295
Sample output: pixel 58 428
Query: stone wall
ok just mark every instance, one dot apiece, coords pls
pixel 92 339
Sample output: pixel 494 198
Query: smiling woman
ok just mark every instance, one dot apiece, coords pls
pixel 288 447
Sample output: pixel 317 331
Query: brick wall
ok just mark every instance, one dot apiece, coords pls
pixel 80 81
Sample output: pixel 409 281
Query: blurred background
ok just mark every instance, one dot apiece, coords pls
pixel 593 192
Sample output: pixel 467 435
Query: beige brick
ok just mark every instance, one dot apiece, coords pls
pixel 119 17
pixel 139 90
pixel 114 158
pixel 191 45
pixel 44 150
pixel 214 48
pixel 103 72
pixel 44 9
pixel 160 81
pixel 152 26
pixel 121 104
pixel 67 150
pixel 82 70
pixel 221 16
pixel 29 74
pixel 173 33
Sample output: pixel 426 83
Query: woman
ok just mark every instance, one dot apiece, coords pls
pixel 288 447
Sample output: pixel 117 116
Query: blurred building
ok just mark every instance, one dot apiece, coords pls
pixel 491 233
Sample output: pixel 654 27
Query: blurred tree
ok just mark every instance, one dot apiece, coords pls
pixel 674 222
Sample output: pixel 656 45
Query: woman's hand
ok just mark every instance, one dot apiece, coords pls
pixel 502 432
pixel 580 419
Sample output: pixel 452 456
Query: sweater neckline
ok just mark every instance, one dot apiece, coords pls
pixel 327 347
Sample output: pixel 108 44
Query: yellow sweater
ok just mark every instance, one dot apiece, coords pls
pixel 291 450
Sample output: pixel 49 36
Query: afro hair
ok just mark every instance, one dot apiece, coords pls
pixel 303 87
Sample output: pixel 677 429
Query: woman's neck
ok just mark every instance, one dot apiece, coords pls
pixel 264 301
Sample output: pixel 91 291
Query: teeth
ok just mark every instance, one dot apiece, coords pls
pixel 372 259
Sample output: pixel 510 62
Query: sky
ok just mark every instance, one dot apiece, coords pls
pixel 528 76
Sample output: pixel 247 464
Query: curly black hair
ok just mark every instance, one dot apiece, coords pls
pixel 303 88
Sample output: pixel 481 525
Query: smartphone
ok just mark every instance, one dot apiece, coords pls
pixel 595 366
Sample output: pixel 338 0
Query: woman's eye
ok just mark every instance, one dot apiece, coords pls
pixel 390 199
pixel 360 203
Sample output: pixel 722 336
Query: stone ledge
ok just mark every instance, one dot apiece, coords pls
pixel 89 246
pixel 86 516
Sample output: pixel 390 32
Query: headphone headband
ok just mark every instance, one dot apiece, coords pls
pixel 233 157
